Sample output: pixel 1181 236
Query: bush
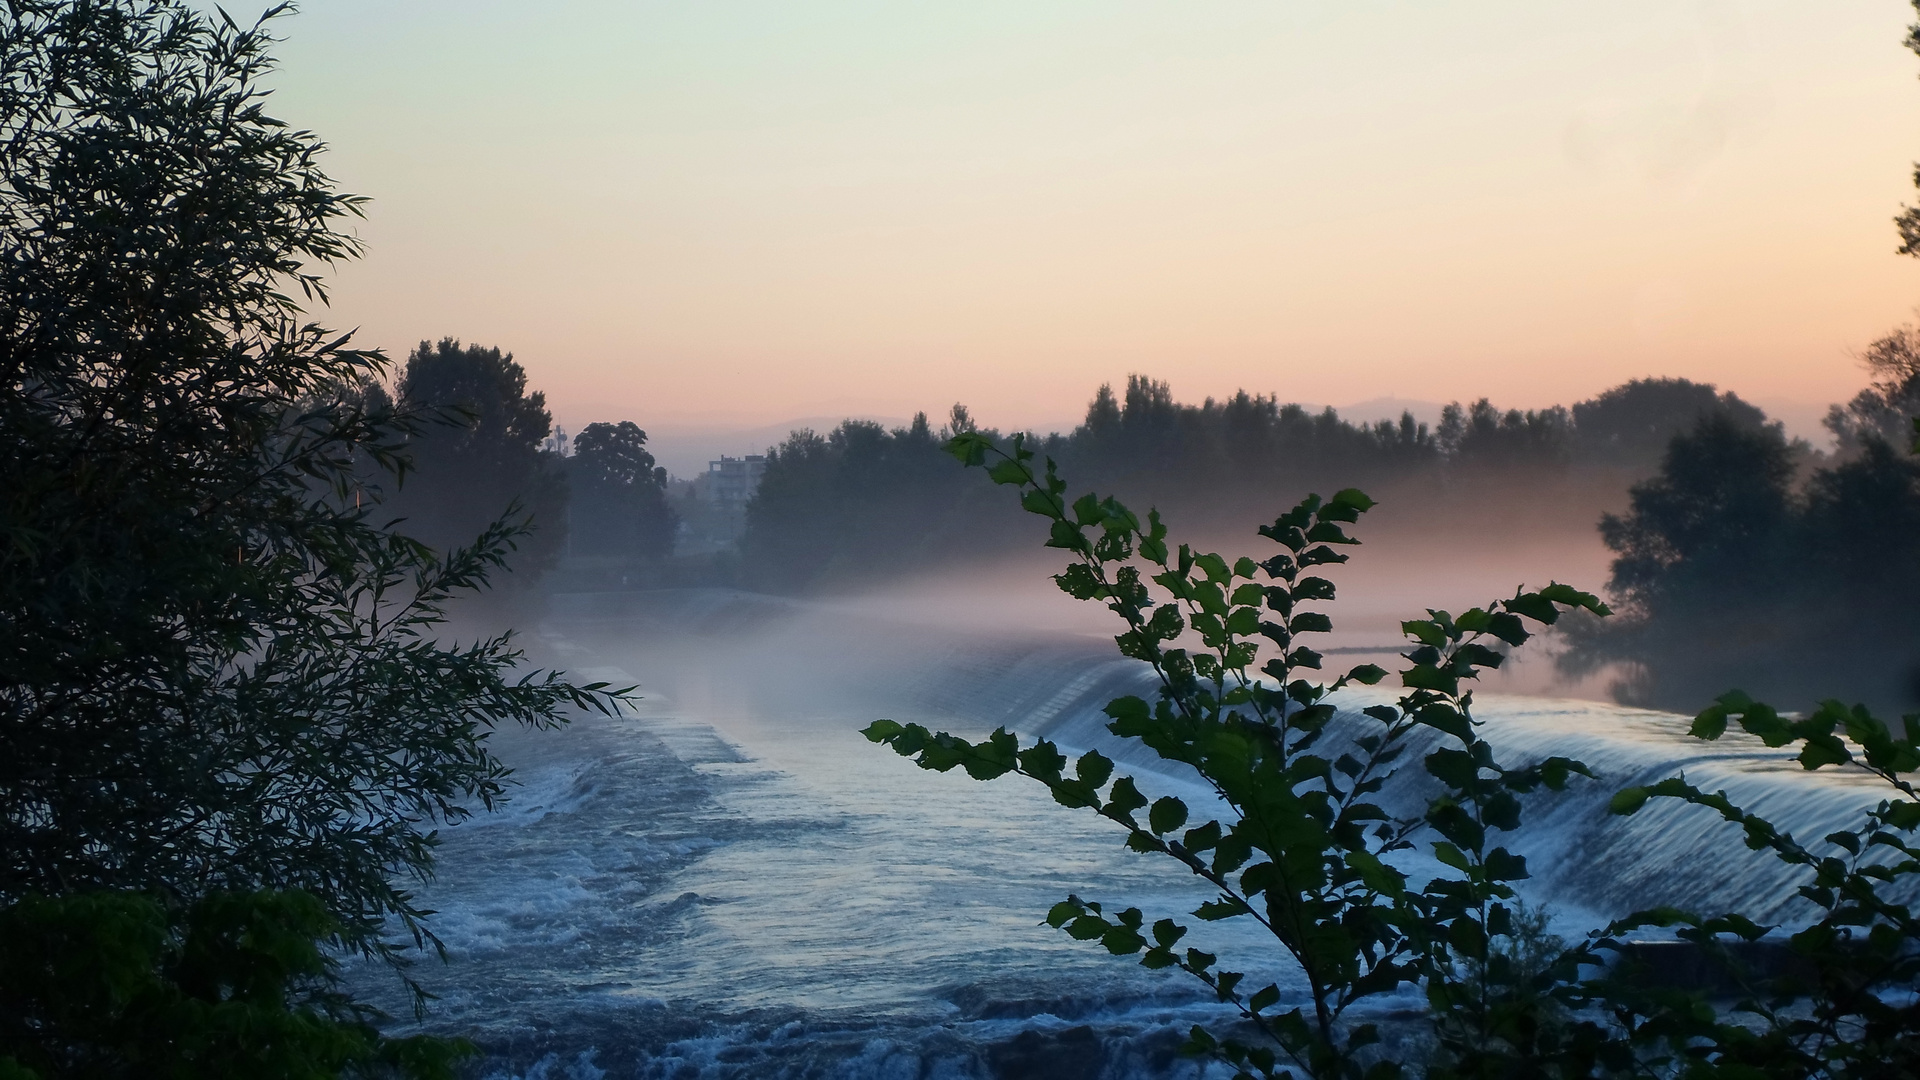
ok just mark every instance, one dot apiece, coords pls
pixel 1304 848
pixel 111 984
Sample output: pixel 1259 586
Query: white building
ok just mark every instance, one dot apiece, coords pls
pixel 731 481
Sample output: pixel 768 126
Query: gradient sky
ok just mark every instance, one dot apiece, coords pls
pixel 735 213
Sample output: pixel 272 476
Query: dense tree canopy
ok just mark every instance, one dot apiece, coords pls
pixel 488 464
pixel 847 502
pixel 216 670
pixel 618 496
pixel 1734 571
pixel 1632 424
pixel 857 502
pixel 1481 436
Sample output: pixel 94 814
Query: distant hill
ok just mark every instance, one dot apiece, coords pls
pixel 1388 408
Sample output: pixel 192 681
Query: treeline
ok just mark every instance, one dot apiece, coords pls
pixel 862 501
pixel 492 451
pixel 1748 561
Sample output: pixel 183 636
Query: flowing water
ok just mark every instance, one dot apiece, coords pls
pixel 730 881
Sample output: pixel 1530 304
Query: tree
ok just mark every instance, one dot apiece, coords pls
pixel 1734 570
pixel 1483 437
pixel 861 501
pixel 217 671
pixel 1705 568
pixel 864 499
pixel 1631 424
pixel 487 465
pixel 618 495
pixel 1718 507
pixel 1884 411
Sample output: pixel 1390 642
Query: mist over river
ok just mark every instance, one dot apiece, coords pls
pixel 731 882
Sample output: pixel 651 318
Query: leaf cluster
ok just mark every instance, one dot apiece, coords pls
pixel 1297 841
pixel 220 666
pixel 1842 1006
pixel 236 986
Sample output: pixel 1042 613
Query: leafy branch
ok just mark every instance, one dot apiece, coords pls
pixel 1302 848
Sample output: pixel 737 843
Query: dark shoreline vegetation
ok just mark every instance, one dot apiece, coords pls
pixel 234 711
pixel 1732 541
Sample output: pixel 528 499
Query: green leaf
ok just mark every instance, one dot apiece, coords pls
pixel 1503 865
pixel 1477 656
pixel 1310 622
pixel 1320 556
pixel 1533 606
pixel 1902 814
pixel 1377 875
pixel 1571 597
pixel 970 447
pixel 1442 716
pixel 1202 837
pixel 1353 498
pixel 1265 998
pixel 1093 768
pixel 1121 941
pixel 1128 710
pixel 1821 750
pixel 1067 536
pixel 1328 532
pixel 1451 855
pixel 1508 628
pixel 1167 815
pixel 1087 928
pixel 1425 632
pixel 1710 724
pixel 1367 674
pixel 1429 677
pixel 1628 801
pixel 1124 798
pixel 1043 761
pixel 1218 910
pixel 1312 588
pixel 1080 582
pixel 1010 471
pixel 1454 768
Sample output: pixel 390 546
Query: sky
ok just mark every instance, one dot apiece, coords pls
pixel 727 215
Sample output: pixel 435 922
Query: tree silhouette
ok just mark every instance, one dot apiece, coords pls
pixel 618 496
pixel 488 463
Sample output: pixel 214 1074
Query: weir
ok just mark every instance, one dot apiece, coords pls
pixel 734 883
